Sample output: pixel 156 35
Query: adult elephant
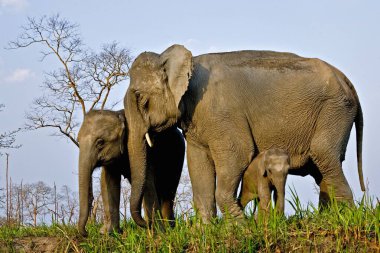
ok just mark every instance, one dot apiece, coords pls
pixel 102 139
pixel 233 105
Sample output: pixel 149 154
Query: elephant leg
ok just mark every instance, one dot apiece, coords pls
pixel 167 211
pixel 265 195
pixel 226 192
pixel 167 195
pixel 167 180
pixel 246 195
pixel 336 185
pixel 327 152
pixel 230 165
pixel 265 203
pixel 110 186
pixel 202 176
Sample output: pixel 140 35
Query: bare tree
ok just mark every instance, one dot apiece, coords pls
pixel 68 205
pixel 15 204
pixel 125 193
pixel 37 197
pixel 183 200
pixel 30 204
pixel 83 81
pixel 97 211
pixel 3 204
pixel 21 203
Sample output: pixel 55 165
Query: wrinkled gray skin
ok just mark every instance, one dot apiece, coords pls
pixel 102 138
pixel 233 105
pixel 267 173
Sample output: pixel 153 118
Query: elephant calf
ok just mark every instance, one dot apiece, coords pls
pixel 267 173
pixel 103 142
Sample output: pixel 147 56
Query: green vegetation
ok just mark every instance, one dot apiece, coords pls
pixel 339 228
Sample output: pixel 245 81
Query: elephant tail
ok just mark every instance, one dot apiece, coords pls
pixel 359 143
pixel 359 132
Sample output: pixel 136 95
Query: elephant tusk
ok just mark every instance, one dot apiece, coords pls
pixel 150 143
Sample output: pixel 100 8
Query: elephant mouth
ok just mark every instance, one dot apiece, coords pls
pixel 163 125
pixel 109 161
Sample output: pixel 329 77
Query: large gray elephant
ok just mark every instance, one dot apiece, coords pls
pixel 233 105
pixel 102 139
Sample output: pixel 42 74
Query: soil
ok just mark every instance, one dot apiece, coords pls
pixel 34 244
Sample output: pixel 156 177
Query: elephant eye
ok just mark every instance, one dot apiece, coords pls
pixel 143 102
pixel 146 105
pixel 99 143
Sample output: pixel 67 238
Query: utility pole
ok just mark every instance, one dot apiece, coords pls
pixel 10 201
pixel 18 213
pixel 7 188
pixel 22 205
pixel 55 204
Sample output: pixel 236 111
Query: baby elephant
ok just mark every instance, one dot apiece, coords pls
pixel 266 173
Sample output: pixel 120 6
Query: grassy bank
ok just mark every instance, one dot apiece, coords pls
pixel 339 228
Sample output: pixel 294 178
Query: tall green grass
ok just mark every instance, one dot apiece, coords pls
pixel 337 228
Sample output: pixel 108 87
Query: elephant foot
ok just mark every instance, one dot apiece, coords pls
pixel 206 220
pixel 167 223
pixel 171 223
pixel 241 221
pixel 108 229
pixel 235 216
pixel 328 194
pixel 236 212
pixel 82 232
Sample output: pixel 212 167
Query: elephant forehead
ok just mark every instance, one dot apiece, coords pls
pixel 278 160
pixel 99 128
pixel 107 130
pixel 144 63
pixel 147 78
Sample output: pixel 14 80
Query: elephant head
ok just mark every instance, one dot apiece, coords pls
pixel 101 143
pixel 157 84
pixel 275 167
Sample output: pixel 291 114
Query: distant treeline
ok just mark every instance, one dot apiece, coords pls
pixel 32 204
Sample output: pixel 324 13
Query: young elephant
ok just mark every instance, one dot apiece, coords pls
pixel 102 139
pixel 266 173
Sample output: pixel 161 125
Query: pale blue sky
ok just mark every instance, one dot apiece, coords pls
pixel 343 33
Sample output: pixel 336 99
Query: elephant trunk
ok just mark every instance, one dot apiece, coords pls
pixel 137 150
pixel 138 166
pixel 86 167
pixel 280 197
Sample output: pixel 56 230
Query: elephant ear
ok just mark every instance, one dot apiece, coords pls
pixel 177 64
pixel 123 132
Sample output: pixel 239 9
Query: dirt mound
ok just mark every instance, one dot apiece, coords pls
pixel 35 244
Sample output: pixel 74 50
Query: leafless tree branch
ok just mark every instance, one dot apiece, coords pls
pixel 83 81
